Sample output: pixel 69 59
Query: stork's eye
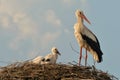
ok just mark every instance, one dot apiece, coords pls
pixel 80 13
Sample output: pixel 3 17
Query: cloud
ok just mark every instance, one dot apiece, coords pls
pixel 49 37
pixel 15 43
pixel 4 21
pixel 13 6
pixel 16 18
pixel 26 25
pixel 21 25
pixel 27 32
pixel 26 29
pixel 68 2
pixel 52 18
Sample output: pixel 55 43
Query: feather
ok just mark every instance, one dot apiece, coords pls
pixel 94 46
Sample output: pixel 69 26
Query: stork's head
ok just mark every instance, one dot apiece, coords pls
pixel 80 14
pixel 55 50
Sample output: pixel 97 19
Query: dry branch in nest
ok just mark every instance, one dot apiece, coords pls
pixel 27 71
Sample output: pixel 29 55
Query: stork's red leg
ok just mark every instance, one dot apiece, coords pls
pixel 86 56
pixel 80 56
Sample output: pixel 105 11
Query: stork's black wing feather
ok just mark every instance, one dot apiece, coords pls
pixel 47 60
pixel 94 45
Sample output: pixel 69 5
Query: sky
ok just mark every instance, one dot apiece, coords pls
pixel 30 28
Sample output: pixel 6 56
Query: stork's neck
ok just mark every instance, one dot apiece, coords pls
pixel 55 55
pixel 80 20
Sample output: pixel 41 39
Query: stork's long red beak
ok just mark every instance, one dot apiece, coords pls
pixel 84 17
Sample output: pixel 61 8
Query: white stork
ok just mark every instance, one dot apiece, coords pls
pixel 52 57
pixel 86 39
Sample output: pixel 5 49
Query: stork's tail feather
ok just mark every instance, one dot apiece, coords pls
pixel 97 55
pixel 100 60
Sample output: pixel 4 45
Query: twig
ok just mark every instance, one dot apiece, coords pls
pixel 73 49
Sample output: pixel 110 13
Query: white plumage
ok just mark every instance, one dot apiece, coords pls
pixel 52 57
pixel 38 60
pixel 86 39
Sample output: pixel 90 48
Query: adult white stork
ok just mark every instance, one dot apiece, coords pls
pixel 52 57
pixel 86 39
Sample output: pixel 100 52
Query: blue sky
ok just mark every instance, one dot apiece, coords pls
pixel 29 28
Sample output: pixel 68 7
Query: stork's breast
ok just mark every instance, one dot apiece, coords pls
pixel 79 38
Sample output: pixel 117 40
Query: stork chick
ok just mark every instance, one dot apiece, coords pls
pixel 52 57
pixel 38 60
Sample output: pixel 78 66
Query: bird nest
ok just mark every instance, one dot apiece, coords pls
pixel 27 71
